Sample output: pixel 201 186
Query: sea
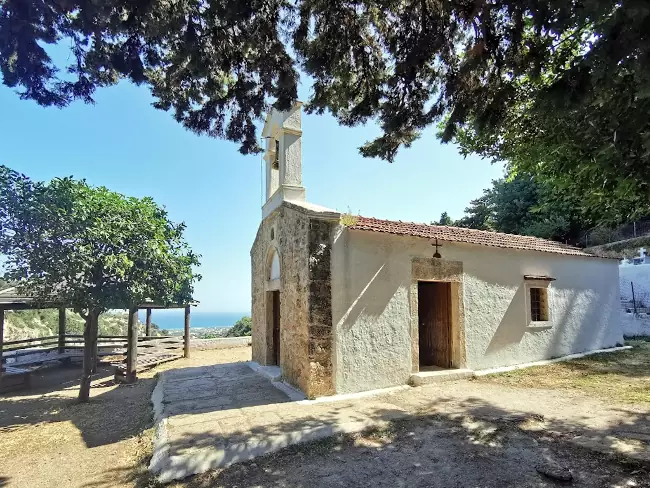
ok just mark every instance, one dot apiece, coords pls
pixel 174 319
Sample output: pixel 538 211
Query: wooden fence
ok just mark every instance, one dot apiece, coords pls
pixel 43 349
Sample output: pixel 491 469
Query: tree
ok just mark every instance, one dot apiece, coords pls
pixel 92 250
pixel 559 88
pixel 241 328
pixel 479 213
pixel 445 219
pixel 522 205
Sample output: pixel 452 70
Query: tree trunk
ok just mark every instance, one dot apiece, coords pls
pixel 90 355
pixel 93 349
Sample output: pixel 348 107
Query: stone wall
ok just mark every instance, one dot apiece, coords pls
pixel 320 309
pixel 290 241
pixel 635 325
pixel 293 236
pixel 259 257
pixel 304 247
pixel 219 343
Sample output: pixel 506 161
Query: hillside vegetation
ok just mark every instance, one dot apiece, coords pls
pixel 25 324
pixel 626 248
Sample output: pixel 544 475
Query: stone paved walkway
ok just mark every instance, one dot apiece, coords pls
pixel 214 416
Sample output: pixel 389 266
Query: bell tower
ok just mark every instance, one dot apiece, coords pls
pixel 283 158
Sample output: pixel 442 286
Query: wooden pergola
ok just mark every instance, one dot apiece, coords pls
pixel 62 342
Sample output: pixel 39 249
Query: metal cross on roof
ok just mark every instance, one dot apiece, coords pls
pixel 437 254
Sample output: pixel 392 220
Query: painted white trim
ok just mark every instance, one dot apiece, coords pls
pixel 273 374
pixel 504 369
pixel 354 396
pixel 293 393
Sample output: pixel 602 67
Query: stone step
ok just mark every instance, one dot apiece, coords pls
pixel 439 376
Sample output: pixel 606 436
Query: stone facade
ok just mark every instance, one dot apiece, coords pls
pixel 320 309
pixel 303 244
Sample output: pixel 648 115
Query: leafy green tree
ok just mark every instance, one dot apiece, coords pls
pixel 91 249
pixel 521 205
pixel 242 327
pixel 445 219
pixel 479 212
pixel 560 87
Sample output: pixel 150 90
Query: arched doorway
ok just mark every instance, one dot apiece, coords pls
pixel 273 307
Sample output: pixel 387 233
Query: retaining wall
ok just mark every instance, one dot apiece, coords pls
pixel 221 343
pixel 635 325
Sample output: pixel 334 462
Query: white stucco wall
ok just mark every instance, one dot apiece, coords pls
pixel 371 277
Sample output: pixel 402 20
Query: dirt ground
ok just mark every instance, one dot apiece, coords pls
pixel 48 440
pixel 428 452
pixel 622 377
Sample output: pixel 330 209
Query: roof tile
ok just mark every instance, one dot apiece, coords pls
pixel 469 236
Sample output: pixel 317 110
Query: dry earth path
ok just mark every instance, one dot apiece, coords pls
pixel 215 416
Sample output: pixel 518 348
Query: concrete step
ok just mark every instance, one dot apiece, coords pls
pixel 439 376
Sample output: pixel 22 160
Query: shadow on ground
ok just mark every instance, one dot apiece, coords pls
pixel 109 417
pixel 482 445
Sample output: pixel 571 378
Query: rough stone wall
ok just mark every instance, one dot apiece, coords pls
pixel 259 256
pixel 304 247
pixel 293 235
pixel 320 309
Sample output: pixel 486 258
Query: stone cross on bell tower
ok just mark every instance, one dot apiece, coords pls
pixel 283 158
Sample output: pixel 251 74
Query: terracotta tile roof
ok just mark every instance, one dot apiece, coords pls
pixel 469 236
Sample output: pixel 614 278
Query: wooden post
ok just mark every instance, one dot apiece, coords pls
pixel 186 335
pixel 61 330
pixel 2 333
pixel 147 329
pixel 633 298
pixel 132 347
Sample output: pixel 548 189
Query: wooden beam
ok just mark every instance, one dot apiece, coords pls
pixel 186 334
pixel 61 330
pixel 2 332
pixel 132 346
pixel 147 330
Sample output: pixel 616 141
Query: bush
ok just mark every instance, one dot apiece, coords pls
pixel 241 328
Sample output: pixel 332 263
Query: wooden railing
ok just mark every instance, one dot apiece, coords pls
pixel 71 345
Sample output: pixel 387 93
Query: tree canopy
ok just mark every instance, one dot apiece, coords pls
pixel 445 219
pixel 91 249
pixel 522 205
pixel 557 88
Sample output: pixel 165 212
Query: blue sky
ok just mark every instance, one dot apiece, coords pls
pixel 130 147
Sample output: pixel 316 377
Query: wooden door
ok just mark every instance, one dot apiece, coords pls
pixel 276 327
pixel 434 323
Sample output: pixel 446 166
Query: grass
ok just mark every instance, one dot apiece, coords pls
pixel 619 376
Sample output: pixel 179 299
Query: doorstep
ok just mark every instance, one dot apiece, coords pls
pixel 440 376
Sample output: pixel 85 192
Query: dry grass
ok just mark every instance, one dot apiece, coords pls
pixel 48 439
pixel 620 376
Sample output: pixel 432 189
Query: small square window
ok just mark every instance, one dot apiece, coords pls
pixel 539 304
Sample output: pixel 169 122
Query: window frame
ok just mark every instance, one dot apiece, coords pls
pixel 545 288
